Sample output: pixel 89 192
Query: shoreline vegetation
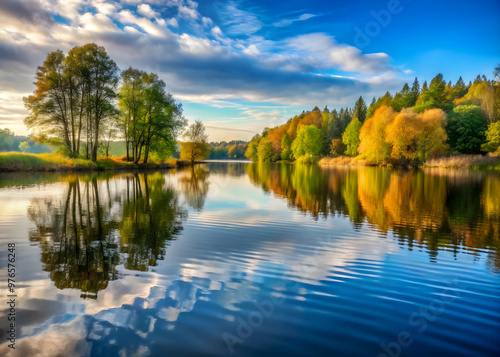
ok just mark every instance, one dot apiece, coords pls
pixel 474 162
pixel 53 162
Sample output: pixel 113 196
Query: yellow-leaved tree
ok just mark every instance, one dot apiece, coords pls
pixel 403 137
pixel 372 135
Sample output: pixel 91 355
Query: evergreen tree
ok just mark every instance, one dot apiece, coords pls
pixel 360 109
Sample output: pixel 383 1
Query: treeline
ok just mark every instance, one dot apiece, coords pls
pixel 417 123
pixel 82 102
pixel 11 142
pixel 234 149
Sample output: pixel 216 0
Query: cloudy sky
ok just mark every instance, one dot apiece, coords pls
pixel 241 65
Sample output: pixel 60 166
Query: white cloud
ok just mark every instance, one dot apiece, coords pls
pixel 251 50
pixel 188 12
pixel 206 21
pixel 319 50
pixel 286 22
pixel 97 23
pixel 127 17
pixel 146 10
pixel 105 8
pixel 200 62
pixel 216 31
pixel 239 22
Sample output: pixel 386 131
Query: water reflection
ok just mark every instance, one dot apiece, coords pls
pixel 348 259
pixel 435 208
pixel 100 223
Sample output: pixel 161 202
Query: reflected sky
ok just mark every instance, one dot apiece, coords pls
pixel 240 259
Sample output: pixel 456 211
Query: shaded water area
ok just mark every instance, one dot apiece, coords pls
pixel 241 259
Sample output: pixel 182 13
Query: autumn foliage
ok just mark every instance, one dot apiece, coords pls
pixel 403 137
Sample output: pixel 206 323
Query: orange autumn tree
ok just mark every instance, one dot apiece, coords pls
pixel 403 137
pixel 417 137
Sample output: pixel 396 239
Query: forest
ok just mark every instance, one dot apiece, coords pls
pixel 234 149
pixel 417 123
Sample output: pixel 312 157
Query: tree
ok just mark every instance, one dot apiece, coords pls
pixel 286 148
pixel 434 96
pixel 466 129
pixel 337 147
pixel 24 145
pixel 49 106
pixel 98 76
pixel 150 117
pixel 6 140
pixel 73 96
pixel 265 150
pixel 487 97
pixel 385 100
pixel 416 137
pixel 308 142
pixel 460 89
pixel 492 143
pixel 360 110
pixel 196 148
pixel 131 105
pixel 163 119
pixel 351 137
pixel 372 135
pixel 252 153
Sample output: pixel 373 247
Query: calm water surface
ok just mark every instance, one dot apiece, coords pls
pixel 254 259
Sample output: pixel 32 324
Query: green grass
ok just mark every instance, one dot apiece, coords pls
pixel 14 161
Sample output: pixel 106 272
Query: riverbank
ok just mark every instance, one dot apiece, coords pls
pixel 474 162
pixel 14 161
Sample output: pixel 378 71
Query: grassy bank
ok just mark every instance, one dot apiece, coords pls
pixel 14 161
pixel 475 162
pixel 344 161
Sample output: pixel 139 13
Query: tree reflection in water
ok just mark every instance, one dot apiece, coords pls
pixel 100 223
pixel 432 208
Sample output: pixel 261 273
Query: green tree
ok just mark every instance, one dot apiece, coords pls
pixel 163 120
pixel 196 147
pixel 492 143
pixel 360 109
pixel 286 148
pixel 73 93
pixel 466 129
pixel 384 101
pixel 150 117
pixel 24 145
pixel 435 96
pixel 252 153
pixel 49 105
pixel 6 140
pixel 130 102
pixel 308 142
pixel 265 150
pixel 351 137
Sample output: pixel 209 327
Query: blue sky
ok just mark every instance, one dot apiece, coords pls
pixel 242 65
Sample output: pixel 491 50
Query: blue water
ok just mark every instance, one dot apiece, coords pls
pixel 237 259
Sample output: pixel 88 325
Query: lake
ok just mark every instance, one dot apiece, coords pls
pixel 242 259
